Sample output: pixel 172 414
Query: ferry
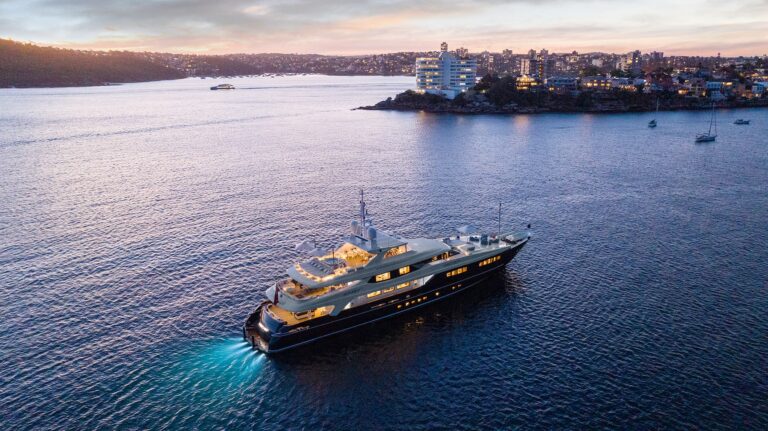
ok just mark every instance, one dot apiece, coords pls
pixel 371 276
pixel 223 87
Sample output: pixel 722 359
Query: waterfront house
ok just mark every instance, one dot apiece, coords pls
pixel 562 84
pixel 598 83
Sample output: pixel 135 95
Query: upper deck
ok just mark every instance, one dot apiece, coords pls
pixel 369 260
pixel 349 265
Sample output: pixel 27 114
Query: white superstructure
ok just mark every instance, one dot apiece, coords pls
pixel 446 75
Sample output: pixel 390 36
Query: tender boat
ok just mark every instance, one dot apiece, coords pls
pixel 223 87
pixel 372 276
pixel 741 122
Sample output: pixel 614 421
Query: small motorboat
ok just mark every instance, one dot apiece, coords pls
pixel 741 122
pixel 223 87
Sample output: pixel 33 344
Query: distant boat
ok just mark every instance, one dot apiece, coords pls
pixel 223 87
pixel 741 122
pixel 652 123
pixel 709 136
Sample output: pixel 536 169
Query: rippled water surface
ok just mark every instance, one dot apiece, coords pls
pixel 139 225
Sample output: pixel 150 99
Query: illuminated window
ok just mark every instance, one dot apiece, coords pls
pixel 404 270
pixel 383 277
pixel 440 256
pixel 376 293
pixel 387 290
pixel 490 260
pixel 456 271
pixel 403 285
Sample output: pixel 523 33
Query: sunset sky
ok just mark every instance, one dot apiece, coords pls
pixel 683 27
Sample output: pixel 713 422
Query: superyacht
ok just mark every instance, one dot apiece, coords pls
pixel 373 275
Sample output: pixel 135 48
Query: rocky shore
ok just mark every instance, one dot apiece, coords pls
pixel 614 101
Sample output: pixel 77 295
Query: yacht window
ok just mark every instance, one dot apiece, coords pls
pixel 404 270
pixel 456 271
pixel 490 260
pixel 376 293
pixel 387 290
pixel 383 277
pixel 402 285
pixel 442 256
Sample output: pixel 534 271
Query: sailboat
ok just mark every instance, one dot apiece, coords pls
pixel 652 123
pixel 709 136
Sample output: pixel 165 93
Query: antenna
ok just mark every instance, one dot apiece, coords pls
pixel 363 212
pixel 499 234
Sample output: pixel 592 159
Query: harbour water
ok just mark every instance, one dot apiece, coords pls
pixel 140 224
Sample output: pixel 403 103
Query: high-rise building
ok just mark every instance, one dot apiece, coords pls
pixel 544 64
pixel 446 75
pixel 461 52
pixel 529 66
pixel 630 63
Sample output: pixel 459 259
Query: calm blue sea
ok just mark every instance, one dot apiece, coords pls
pixel 140 224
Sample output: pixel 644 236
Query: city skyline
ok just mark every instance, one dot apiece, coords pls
pixel 693 27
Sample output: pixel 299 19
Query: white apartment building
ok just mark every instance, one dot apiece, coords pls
pixel 446 75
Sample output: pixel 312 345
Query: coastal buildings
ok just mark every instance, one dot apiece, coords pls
pixel 529 67
pixel 446 75
pixel 562 84
pixel 630 63
pixel 595 83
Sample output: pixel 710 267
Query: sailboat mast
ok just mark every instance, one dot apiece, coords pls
pixel 498 235
pixel 362 211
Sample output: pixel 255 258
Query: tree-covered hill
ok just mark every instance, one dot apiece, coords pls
pixel 27 65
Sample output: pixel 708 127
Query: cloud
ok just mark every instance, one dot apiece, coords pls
pixel 257 9
pixel 366 26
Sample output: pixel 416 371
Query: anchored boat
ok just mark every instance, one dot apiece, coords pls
pixel 373 275
pixel 223 87
pixel 652 124
pixel 709 136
